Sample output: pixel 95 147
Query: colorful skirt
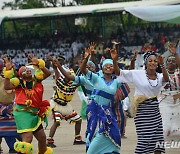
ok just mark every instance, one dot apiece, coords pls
pixel 149 128
pixel 27 120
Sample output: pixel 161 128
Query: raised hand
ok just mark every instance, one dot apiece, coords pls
pixel 49 58
pixel 34 60
pixel 7 62
pixel 6 58
pixel 92 47
pixel 135 54
pixel 160 59
pixel 55 63
pixel 87 53
pixel 172 48
pixel 107 50
pixel 147 48
pixel 114 54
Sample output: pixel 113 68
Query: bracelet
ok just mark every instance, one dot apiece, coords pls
pixel 41 63
pixel 8 73
pixel 15 81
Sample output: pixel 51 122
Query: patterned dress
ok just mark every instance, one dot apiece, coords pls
pixel 102 128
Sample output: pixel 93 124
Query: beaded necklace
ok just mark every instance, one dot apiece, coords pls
pixel 28 89
pixel 150 81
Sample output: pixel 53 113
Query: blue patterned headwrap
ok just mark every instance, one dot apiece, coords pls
pixel 107 61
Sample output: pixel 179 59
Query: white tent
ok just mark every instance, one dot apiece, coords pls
pixel 168 13
pixel 83 9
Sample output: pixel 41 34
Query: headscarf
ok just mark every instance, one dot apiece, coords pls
pixel 148 54
pixel 107 61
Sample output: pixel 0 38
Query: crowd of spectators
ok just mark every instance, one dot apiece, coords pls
pixel 71 45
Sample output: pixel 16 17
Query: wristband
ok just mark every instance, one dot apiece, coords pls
pixel 8 73
pixel 15 81
pixel 41 63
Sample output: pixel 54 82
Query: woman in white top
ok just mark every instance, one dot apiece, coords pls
pixel 148 120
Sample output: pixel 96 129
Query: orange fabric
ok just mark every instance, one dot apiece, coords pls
pixel 21 97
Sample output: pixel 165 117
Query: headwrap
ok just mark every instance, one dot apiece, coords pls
pixel 20 69
pixel 148 54
pixel 107 61
pixel 91 63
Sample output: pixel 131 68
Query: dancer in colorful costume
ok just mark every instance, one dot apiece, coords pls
pixel 106 139
pixel 81 80
pixel 29 110
pixel 63 94
pixel 148 121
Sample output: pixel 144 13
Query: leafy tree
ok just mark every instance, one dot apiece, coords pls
pixel 27 4
pixel 87 2
pixel 94 23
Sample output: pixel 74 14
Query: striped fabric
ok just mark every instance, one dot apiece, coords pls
pixel 149 128
pixel 7 123
pixel 64 92
pixel 175 81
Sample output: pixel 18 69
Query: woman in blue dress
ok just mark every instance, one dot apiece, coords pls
pixel 102 127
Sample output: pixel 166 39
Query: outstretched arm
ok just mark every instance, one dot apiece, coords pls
pixel 8 74
pixel 164 71
pixel 93 58
pixel 114 57
pixel 41 65
pixel 84 62
pixel 66 74
pixel 172 49
pixel 132 64
pixel 56 72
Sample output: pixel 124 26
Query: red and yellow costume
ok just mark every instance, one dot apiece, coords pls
pixel 29 104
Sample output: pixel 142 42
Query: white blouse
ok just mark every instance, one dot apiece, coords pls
pixel 143 85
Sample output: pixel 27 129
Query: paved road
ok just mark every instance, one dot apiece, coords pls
pixel 65 133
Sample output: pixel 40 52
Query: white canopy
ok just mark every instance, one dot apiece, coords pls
pixel 169 13
pixel 83 9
